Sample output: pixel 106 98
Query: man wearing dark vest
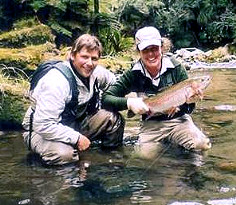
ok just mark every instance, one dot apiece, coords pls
pixel 153 72
pixel 65 114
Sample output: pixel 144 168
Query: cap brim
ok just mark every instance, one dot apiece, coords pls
pixel 145 44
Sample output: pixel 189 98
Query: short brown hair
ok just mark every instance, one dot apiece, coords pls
pixel 89 42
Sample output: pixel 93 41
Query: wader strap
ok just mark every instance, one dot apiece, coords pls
pixel 30 129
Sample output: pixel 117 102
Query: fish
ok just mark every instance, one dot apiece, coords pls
pixel 175 95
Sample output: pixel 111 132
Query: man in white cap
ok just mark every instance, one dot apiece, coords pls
pixel 150 74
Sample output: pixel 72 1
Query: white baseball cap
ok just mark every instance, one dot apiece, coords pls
pixel 147 36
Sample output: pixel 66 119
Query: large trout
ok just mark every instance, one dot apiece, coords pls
pixel 176 95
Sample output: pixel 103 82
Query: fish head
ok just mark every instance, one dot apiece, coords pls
pixel 198 84
pixel 201 82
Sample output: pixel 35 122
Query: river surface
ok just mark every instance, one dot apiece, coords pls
pixel 175 177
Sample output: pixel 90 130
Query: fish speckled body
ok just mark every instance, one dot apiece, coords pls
pixel 177 94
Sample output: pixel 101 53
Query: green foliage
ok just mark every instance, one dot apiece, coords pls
pixel 223 27
pixel 56 14
pixel 199 22
pixel 38 4
pixel 135 13
pixel 186 22
pixel 102 21
pixel 113 41
pixel 207 21
pixel 25 23
pixel 60 29
pixel 36 35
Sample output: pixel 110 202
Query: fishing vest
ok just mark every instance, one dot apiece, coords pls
pixel 69 114
pixel 71 109
pixel 169 78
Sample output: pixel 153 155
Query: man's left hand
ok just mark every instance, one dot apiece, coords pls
pixel 197 95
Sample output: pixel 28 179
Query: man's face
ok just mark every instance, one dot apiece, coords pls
pixel 85 61
pixel 151 57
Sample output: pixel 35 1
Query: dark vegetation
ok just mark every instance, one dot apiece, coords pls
pixel 194 23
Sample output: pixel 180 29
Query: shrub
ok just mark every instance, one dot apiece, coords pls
pixel 36 35
pixel 113 41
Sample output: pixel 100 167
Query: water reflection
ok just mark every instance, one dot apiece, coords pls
pixel 175 177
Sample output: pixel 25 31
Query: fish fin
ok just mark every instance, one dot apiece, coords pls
pixel 150 114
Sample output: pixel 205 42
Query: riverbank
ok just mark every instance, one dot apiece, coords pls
pixel 14 86
pixel 194 58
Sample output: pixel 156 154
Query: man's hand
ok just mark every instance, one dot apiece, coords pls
pixel 137 105
pixel 171 112
pixel 83 143
pixel 197 94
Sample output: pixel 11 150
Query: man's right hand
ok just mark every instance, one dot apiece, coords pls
pixel 83 143
pixel 171 112
pixel 137 105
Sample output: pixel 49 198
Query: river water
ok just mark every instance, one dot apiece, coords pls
pixel 175 177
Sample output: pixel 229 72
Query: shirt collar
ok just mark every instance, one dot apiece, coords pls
pixel 166 63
